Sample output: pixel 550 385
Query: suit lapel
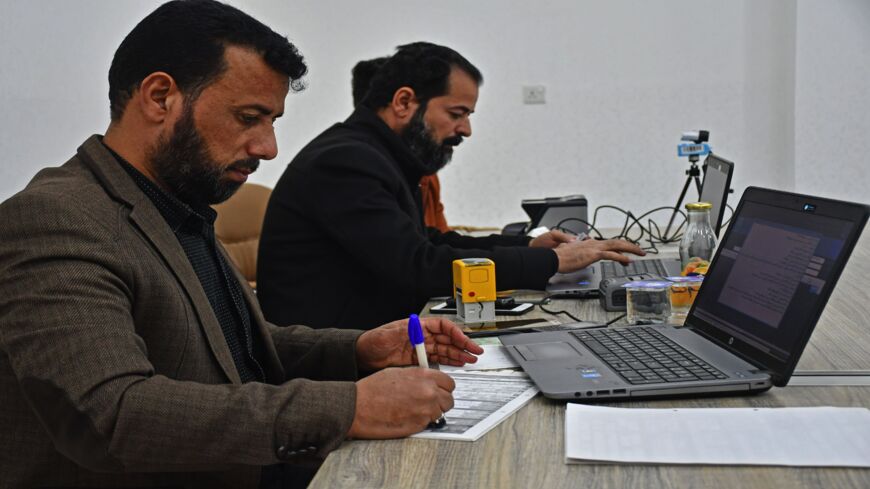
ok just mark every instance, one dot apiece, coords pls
pixel 152 225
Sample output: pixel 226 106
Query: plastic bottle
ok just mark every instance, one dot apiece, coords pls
pixel 699 240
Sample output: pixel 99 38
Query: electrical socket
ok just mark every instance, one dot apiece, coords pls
pixel 534 94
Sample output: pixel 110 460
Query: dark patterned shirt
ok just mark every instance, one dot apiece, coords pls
pixel 194 229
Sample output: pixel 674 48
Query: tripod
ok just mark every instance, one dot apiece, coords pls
pixel 691 174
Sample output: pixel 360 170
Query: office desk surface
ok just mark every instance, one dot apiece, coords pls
pixel 527 449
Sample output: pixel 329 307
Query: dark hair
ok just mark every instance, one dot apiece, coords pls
pixel 422 66
pixel 361 76
pixel 186 39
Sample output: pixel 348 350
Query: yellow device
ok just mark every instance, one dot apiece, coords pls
pixel 474 289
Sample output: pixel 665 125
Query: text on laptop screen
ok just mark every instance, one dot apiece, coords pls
pixel 769 274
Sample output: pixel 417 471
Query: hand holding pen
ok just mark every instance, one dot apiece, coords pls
pixel 397 402
pixel 415 335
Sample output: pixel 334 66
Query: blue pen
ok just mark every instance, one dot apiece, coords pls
pixel 415 334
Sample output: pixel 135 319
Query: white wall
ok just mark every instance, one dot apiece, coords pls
pixel 779 83
pixel 832 99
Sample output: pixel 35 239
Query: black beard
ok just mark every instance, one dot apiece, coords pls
pixel 184 166
pixel 421 142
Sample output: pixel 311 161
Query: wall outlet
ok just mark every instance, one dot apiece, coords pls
pixel 534 94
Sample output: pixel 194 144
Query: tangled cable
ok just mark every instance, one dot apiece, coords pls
pixel 633 229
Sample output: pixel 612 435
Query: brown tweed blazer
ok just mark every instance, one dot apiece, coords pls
pixel 113 368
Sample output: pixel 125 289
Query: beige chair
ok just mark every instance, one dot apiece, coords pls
pixel 239 224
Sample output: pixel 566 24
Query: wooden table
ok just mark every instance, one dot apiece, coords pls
pixel 527 449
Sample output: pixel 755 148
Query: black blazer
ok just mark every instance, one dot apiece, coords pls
pixel 344 243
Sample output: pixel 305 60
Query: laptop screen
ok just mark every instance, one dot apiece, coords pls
pixel 717 180
pixel 566 218
pixel 773 273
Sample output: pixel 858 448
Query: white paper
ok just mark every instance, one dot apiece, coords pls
pixel 494 357
pixel 800 437
pixel 481 401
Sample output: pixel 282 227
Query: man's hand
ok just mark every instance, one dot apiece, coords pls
pixel 389 345
pixel 552 239
pixel 398 402
pixel 580 254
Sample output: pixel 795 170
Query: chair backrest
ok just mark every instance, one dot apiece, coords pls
pixel 239 224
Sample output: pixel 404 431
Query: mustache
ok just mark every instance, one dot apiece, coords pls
pixel 454 141
pixel 250 164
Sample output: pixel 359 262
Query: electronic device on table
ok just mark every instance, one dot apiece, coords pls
pixel 587 282
pixel 762 297
pixel 504 306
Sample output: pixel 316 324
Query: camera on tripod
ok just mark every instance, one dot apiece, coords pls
pixel 694 144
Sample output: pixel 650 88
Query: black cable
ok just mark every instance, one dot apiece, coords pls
pixel 651 231
pixel 608 323
pixel 728 221
pixel 550 311
pixel 569 219
pixel 546 300
pixel 657 236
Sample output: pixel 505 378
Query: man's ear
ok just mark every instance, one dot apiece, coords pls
pixel 404 104
pixel 157 96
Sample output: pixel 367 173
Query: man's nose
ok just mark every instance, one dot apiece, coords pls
pixel 464 128
pixel 264 146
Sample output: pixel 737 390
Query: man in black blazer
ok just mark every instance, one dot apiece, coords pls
pixel 344 243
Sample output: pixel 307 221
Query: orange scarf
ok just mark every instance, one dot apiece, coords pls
pixel 433 209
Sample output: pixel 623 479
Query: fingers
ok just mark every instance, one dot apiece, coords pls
pixel 618 257
pixel 445 402
pixel 442 380
pixel 454 336
pixel 579 254
pixel 622 245
pixel 552 239
pixel 447 333
pixel 436 396
pixel 451 355
pixel 443 394
pixel 398 402
pixel 561 236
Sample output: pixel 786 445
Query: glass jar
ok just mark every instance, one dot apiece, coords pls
pixel 647 301
pixel 683 293
pixel 699 240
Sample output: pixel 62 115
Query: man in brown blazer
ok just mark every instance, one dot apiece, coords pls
pixel 131 353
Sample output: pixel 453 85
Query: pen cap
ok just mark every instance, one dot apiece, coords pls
pixel 415 331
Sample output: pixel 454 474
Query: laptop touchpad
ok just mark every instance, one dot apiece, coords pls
pixel 547 351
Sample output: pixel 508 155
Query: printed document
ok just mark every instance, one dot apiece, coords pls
pixel 798 437
pixel 494 357
pixel 481 401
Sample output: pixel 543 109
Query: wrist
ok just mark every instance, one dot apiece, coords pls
pixel 561 260
pixel 364 362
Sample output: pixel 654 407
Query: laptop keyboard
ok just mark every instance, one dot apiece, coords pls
pixel 610 269
pixel 642 355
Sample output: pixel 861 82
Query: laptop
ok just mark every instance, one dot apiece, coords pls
pixel 567 213
pixel 584 283
pixel 763 294
pixel 716 187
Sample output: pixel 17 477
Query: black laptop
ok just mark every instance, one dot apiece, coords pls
pixel 766 288
pixel 584 283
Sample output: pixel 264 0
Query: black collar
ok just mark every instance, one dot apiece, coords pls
pixel 409 163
